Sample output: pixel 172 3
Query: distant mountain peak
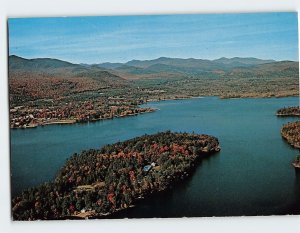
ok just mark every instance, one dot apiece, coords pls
pixel 242 60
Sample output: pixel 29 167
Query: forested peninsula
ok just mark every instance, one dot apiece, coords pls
pixel 291 133
pixel 97 183
pixel 289 111
pixel 291 130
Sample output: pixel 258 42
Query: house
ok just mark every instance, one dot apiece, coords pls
pixel 147 168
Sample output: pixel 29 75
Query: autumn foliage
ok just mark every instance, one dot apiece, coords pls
pixel 103 181
pixel 291 132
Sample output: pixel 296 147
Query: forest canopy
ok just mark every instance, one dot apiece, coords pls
pixel 99 182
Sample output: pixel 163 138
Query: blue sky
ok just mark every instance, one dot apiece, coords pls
pixel 123 38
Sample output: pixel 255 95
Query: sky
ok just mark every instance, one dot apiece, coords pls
pixel 123 38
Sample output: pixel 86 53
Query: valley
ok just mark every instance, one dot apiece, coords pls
pixel 50 90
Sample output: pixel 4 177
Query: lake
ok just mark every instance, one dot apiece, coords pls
pixel 251 175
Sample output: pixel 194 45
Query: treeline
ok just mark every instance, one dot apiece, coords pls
pixel 100 182
pixel 80 111
pixel 289 111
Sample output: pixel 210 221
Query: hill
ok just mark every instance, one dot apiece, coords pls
pixel 161 78
pixel 33 79
pixel 19 66
pixel 39 64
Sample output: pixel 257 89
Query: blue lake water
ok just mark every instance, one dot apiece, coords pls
pixel 251 175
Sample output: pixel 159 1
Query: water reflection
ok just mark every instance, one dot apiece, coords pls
pixel 297 191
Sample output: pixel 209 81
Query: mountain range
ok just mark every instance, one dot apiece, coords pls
pixel 163 67
pixel 47 78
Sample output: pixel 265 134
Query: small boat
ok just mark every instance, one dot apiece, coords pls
pixel 296 163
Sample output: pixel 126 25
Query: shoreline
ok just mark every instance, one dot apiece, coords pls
pixel 290 143
pixel 143 181
pixel 287 115
pixel 75 121
pixel 287 138
pixel 220 97
pixel 290 131
pixel 180 179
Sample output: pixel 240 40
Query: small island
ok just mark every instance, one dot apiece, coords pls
pixel 289 111
pixel 97 183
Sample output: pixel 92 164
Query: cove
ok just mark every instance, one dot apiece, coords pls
pixel 252 175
